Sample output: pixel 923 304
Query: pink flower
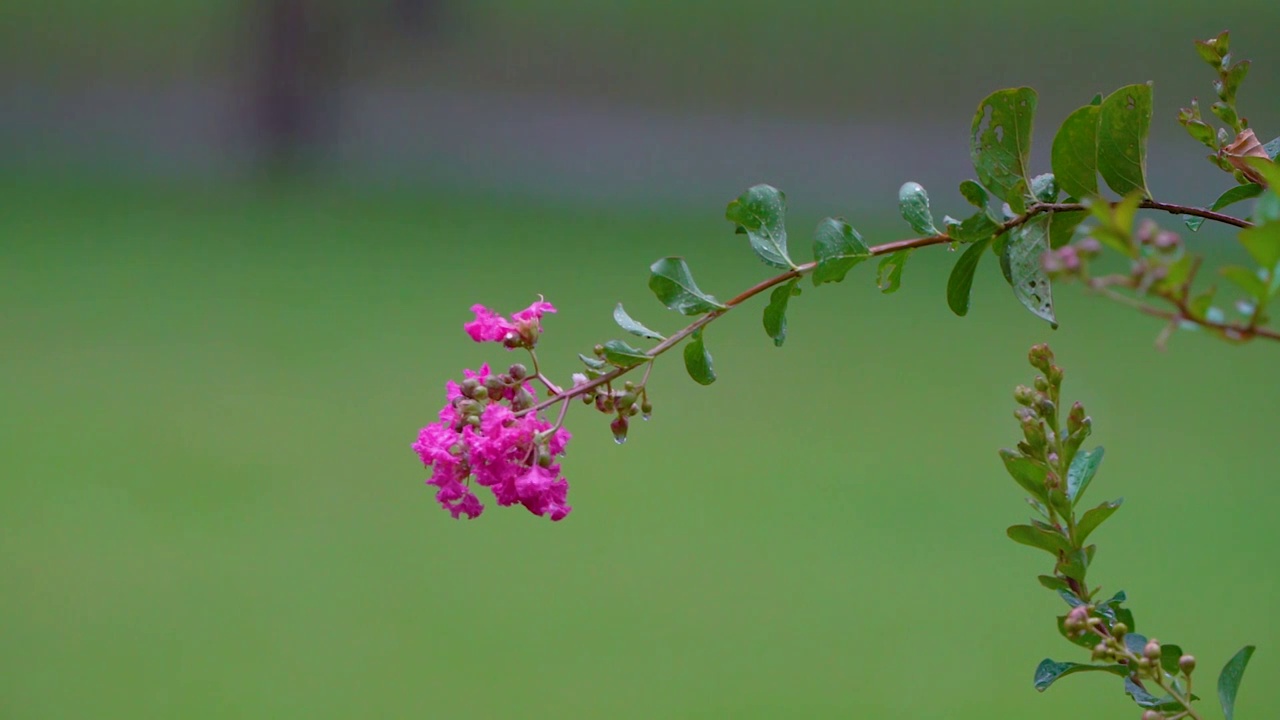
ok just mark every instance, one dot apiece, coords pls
pixel 485 440
pixel 522 330
pixel 488 326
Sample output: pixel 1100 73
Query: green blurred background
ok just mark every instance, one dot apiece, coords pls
pixel 237 246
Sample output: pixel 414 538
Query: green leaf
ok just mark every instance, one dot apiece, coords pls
pixel 1075 153
pixel 1231 83
pixel 1230 197
pixel 1049 671
pixel 889 273
pixel 1000 144
pixel 977 195
pixel 620 354
pixel 1229 680
pixel 1124 120
pixel 761 213
pixel 1146 700
pixel 1027 246
pixel 837 247
pixel 913 203
pixel 1062 225
pixel 1053 583
pixel 1169 655
pixel 591 362
pixel 1029 475
pixel 626 322
pixel 1095 517
pixel 697 361
pixel 671 281
pixel 1044 188
pixel 1051 542
pixel 1267 209
pixel 960 283
pixel 775 313
pixel 978 226
pixel 1268 170
pixel 1115 223
pixel 1083 467
pixel 1247 280
pixel 1263 244
pixel 1272 149
pixel 1086 640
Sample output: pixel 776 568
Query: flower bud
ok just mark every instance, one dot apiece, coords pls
pixel 619 428
pixel 1033 431
pixel 1075 418
pixel 1187 663
pixel 1152 715
pixel 1024 395
pixel 588 398
pixel 600 398
pixel 626 399
pixel 1045 408
pixel 1101 651
pixel 1119 630
pixel 646 409
pixel 518 372
pixel 480 392
pixel 1146 231
pixel 633 410
pixel 1144 663
pixel 469 407
pixel 1041 384
pixel 1088 245
pixel 1040 357
pixel 468 387
pixel 1152 650
pixel 1166 241
pixel 495 386
pixel 598 350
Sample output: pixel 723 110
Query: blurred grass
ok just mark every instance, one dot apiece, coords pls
pixel 210 508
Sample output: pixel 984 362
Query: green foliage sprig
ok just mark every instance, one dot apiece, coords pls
pixel 1051 465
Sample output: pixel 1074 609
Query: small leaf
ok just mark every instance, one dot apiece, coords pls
pixel 1051 542
pixel 775 314
pixel 1095 517
pixel 620 354
pixel 1247 280
pixel 1083 467
pixel 977 195
pixel 1075 153
pixel 1044 188
pixel 889 273
pixel 837 247
pixel 1169 656
pixel 1230 197
pixel 1229 680
pixel 591 362
pixel 761 212
pixel 1272 149
pixel 1000 144
pixel 1053 583
pixel 978 226
pixel 1029 474
pixel 1115 224
pixel 1263 244
pixel 626 322
pixel 1146 700
pixel 960 283
pixel 671 281
pixel 1124 120
pixel 697 361
pixel 1062 226
pixel 913 203
pixel 1049 671
pixel 1027 246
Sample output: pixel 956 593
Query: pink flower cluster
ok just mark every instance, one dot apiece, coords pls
pixel 482 436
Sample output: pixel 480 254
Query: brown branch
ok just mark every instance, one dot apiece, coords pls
pixel 1033 211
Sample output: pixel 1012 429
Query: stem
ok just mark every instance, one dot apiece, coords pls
pixel 911 244
pixel 1185 702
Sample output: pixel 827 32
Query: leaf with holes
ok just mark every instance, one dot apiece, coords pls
pixel 1124 121
pixel 1026 248
pixel 1075 153
pixel 1000 144
pixel 760 212
pixel 889 273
